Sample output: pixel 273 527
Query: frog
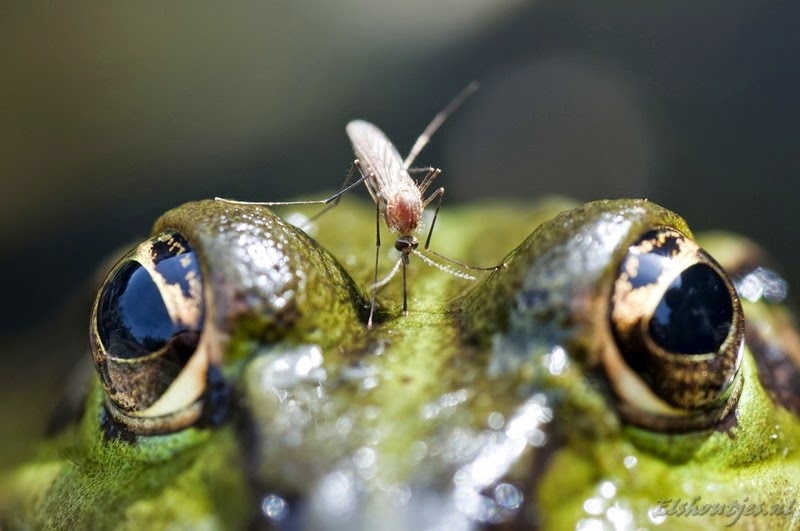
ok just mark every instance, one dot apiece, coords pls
pixel 616 373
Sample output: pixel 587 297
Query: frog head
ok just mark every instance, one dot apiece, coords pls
pixel 613 375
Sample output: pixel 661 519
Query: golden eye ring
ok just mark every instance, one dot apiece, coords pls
pixel 147 336
pixel 679 328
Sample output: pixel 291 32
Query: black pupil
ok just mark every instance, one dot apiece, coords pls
pixel 695 314
pixel 133 320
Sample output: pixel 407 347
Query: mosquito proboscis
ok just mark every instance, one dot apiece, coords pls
pixel 397 196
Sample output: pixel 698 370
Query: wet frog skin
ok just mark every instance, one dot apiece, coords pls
pixel 544 395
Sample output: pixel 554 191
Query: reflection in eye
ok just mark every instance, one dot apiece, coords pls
pixel 695 313
pixel 152 304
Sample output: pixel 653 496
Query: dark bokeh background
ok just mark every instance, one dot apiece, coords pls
pixel 113 113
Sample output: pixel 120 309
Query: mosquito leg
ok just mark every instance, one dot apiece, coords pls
pixel 431 176
pixel 334 198
pixel 377 254
pixel 405 291
pixel 426 169
pixel 345 187
pixel 438 194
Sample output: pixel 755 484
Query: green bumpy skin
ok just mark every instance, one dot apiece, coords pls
pixel 488 404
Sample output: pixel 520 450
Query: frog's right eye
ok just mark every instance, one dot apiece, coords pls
pixel 145 330
pixel 679 330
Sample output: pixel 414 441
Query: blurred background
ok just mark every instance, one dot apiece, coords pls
pixel 115 112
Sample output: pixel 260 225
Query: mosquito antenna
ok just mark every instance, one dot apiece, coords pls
pixel 385 280
pixel 501 265
pixel 437 121
pixel 443 267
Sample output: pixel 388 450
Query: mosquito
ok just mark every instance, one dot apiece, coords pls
pixel 397 196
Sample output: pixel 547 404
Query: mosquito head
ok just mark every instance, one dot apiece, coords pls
pixel 406 244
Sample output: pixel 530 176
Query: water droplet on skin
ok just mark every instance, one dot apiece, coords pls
pixel 344 425
pixel 302 364
pixel 496 420
pixel 762 282
pixel 508 496
pixel 275 508
pixel 593 506
pixel 370 382
pixel 335 495
pixel 402 494
pixel 537 438
pixel 372 436
pixel 372 412
pixel 450 400
pixel 556 361
pixel 364 457
pixel 620 517
pixel 608 490
pixel 302 222
pixel 418 451
pixel 591 524
pixel 429 411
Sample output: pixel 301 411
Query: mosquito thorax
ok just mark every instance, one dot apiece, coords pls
pixel 404 209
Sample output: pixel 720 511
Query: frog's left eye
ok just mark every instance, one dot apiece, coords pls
pixel 678 325
pixel 145 329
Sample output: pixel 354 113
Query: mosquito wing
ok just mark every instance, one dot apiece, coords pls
pixel 379 158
